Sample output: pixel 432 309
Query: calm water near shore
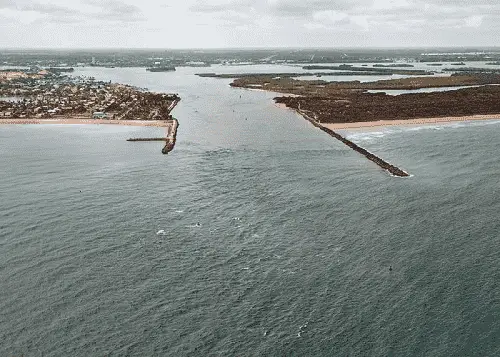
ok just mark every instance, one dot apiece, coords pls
pixel 292 253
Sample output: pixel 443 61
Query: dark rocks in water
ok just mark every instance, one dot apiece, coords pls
pixel 383 164
pixel 393 170
pixel 171 138
pixel 147 139
pixel 169 146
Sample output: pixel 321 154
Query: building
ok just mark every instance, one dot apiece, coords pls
pixel 99 115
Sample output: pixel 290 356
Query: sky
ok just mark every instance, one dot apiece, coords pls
pixel 248 23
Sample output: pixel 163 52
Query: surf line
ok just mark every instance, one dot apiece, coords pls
pixel 393 170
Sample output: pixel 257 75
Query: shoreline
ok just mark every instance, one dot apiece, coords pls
pixel 75 121
pixel 410 122
pixel 262 89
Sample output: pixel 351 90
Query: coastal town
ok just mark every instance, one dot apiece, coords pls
pixel 45 94
pixel 205 58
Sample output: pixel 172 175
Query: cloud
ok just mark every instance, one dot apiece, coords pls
pixel 474 21
pixel 26 12
pixel 110 10
pixel 116 10
pixel 308 7
pixel 216 6
pixel 252 22
pixel 361 14
pixel 34 6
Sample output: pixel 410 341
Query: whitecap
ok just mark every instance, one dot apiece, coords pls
pixel 161 232
pixel 367 135
pixel 301 329
pixel 197 225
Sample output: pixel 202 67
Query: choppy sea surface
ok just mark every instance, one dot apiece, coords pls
pixel 259 235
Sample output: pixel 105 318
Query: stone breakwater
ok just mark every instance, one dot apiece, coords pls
pixel 170 138
pixel 393 170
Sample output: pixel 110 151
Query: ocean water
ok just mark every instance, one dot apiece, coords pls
pixel 259 235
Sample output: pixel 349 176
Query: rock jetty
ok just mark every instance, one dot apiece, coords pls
pixel 170 138
pixel 393 170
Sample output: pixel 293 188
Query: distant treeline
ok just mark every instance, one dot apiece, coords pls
pixel 375 72
pixel 345 67
pixel 394 65
pixel 57 70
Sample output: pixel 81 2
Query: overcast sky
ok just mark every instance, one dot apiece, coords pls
pixel 248 23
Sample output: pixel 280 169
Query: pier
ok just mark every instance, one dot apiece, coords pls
pixel 393 170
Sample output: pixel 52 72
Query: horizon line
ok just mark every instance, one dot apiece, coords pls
pixel 270 48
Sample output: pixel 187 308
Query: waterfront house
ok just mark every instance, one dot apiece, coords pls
pixel 99 115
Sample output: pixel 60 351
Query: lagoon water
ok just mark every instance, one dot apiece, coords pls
pixel 258 235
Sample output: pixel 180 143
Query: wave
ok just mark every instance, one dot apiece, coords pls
pixel 219 152
pixel 197 225
pixel 367 136
pixel 373 135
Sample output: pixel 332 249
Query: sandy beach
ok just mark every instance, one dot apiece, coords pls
pixel 155 123
pixel 416 122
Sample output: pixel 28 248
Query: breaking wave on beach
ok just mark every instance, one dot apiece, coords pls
pixel 359 135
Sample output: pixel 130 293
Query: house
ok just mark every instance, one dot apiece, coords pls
pixel 99 115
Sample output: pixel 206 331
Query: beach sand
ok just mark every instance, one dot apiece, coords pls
pixel 155 123
pixel 415 122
